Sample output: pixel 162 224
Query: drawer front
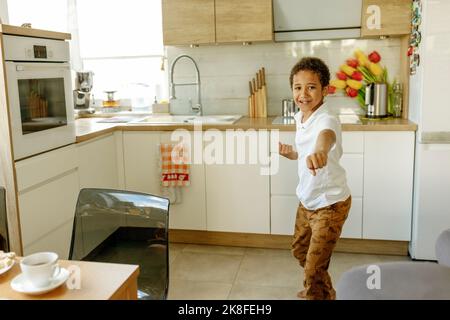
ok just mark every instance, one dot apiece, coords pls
pixel 353 142
pixel 39 169
pixel 285 181
pixel 353 225
pixel 283 213
pixel 46 207
pixel 285 138
pixel 284 210
pixel 354 168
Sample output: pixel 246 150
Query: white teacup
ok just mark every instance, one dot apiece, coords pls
pixel 40 268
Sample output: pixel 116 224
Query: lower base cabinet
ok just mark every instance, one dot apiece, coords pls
pixel 142 171
pixel 388 185
pixel 284 209
pixel 238 195
pixel 237 199
pixel 221 197
pixel 97 161
pixel 379 167
pixel 48 188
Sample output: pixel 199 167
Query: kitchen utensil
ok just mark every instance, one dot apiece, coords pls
pixel 263 93
pixel 376 100
pixel 257 100
pixel 288 108
pixel 250 101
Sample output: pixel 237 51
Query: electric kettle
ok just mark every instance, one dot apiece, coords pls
pixel 376 100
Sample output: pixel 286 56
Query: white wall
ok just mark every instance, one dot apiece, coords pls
pixel 226 70
pixel 4 12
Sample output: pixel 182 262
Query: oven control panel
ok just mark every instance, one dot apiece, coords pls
pixel 35 49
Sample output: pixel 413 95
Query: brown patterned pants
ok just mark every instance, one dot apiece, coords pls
pixel 315 236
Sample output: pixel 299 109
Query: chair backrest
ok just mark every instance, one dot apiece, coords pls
pixel 4 245
pixel 442 248
pixel 125 227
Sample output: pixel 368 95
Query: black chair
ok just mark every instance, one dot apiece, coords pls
pixel 119 226
pixel 3 221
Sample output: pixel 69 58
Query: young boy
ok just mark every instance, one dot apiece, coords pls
pixel 322 190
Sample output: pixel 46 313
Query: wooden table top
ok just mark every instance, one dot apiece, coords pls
pixel 99 281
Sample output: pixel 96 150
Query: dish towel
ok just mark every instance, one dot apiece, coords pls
pixel 174 165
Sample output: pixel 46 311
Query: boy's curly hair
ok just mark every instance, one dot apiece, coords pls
pixel 315 65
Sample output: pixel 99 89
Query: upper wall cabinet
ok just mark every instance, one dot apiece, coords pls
pixel 216 21
pixel 188 22
pixel 385 18
pixel 244 20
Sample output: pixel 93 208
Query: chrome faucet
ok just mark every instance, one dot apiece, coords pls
pixel 198 107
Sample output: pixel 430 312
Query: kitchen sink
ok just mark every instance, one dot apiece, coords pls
pixel 178 119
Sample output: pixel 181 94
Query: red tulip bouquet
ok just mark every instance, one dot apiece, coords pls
pixel 357 72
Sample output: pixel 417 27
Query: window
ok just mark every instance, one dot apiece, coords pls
pixel 119 40
pixel 42 14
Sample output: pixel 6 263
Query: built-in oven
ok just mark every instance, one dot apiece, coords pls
pixel 38 79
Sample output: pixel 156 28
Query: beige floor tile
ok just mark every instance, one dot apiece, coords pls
pixel 269 270
pixel 252 292
pixel 194 290
pixel 214 249
pixel 269 252
pixel 206 267
pixel 177 246
pixel 217 272
pixel 174 250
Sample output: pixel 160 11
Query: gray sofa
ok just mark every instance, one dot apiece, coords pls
pixel 400 280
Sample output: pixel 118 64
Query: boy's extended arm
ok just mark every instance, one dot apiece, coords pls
pixel 319 158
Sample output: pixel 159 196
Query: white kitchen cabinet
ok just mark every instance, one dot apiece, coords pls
pixel 47 191
pixel 97 160
pixel 285 181
pixel 283 211
pixel 353 162
pixel 56 241
pixel 189 209
pixel 388 182
pixel 142 173
pixel 238 195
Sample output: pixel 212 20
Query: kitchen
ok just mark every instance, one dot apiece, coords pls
pixel 385 213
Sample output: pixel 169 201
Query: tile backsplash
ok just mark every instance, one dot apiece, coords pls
pixel 225 71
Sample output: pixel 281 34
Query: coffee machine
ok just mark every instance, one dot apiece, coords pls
pixel 82 92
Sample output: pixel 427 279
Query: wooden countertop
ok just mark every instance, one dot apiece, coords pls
pixel 99 281
pixel 36 33
pixel 89 128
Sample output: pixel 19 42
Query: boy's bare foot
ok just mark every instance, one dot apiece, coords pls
pixel 302 294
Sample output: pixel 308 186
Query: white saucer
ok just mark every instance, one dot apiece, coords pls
pixel 20 284
pixel 3 270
